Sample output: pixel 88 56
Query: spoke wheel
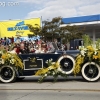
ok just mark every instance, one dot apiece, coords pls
pixel 91 71
pixel 67 64
pixel 7 74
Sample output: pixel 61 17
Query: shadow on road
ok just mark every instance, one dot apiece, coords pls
pixel 51 79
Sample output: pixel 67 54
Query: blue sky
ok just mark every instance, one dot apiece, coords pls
pixel 48 9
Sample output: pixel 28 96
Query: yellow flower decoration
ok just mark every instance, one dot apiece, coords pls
pixel 51 67
pixel 3 56
pixel 42 71
pixel 95 57
pixel 79 60
pixel 12 59
pixel 98 54
pixel 90 48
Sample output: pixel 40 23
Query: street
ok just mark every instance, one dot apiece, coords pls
pixel 69 89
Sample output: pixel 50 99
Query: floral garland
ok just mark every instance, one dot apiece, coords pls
pixel 10 59
pixel 87 54
pixel 51 70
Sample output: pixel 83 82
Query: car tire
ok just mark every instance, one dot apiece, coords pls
pixel 7 74
pixel 67 64
pixel 91 71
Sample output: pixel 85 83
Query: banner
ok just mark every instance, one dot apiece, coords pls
pixel 17 27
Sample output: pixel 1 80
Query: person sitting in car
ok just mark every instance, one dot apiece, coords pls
pixel 14 50
pixel 22 49
pixel 43 48
pixel 37 49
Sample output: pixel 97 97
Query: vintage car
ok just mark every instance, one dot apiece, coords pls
pixel 65 58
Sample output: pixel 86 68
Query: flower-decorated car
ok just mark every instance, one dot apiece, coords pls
pixel 13 66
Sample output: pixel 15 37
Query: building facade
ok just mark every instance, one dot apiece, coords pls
pixel 91 24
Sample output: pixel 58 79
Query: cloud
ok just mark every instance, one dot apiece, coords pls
pixel 51 12
pixel 65 8
pixel 90 9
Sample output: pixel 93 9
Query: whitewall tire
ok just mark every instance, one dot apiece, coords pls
pixel 67 64
pixel 7 74
pixel 91 71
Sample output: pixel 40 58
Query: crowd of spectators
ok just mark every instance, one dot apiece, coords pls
pixel 29 46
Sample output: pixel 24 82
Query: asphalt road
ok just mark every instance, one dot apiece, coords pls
pixel 69 89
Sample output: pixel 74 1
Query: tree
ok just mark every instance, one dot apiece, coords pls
pixel 36 30
pixel 69 33
pixel 51 29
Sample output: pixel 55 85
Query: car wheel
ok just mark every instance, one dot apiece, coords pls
pixel 91 71
pixel 67 64
pixel 7 74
